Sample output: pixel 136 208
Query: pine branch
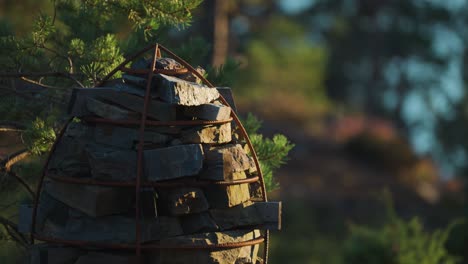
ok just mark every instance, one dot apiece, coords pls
pixel 20 181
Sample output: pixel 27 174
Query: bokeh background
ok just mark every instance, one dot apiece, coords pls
pixel 373 95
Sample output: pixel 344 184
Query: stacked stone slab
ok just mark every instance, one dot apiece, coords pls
pixel 179 216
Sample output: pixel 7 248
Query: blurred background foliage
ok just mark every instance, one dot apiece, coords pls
pixel 372 94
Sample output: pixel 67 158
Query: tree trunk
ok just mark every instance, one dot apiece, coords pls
pixel 220 32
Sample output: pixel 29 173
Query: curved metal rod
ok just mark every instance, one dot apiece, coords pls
pixel 73 180
pixel 82 243
pixel 157 123
pixel 41 180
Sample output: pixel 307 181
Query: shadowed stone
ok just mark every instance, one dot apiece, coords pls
pixel 52 254
pixel 112 164
pixel 173 162
pixel 176 91
pixel 103 258
pixel 125 138
pixel 227 196
pixel 222 163
pixel 226 92
pixel 264 214
pixel 92 200
pixel 192 77
pixel 182 201
pixel 208 112
pixel 208 135
pixel 70 157
pixel 25 218
pixel 197 223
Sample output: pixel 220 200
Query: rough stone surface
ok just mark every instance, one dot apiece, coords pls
pixel 125 138
pixel 50 254
pixel 168 64
pixel 198 223
pixel 103 258
pixel 242 255
pixel 25 218
pixel 108 111
pixel 122 95
pixel 182 201
pixel 227 196
pixel 70 157
pixel 264 214
pixel 208 135
pixel 111 164
pixel 223 162
pixel 92 200
pixel 208 111
pixel 176 91
pixel 173 162
pixel 109 229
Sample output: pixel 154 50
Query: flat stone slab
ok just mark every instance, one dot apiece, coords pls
pixel 121 97
pixel 92 200
pixel 211 112
pixel 105 258
pixel 183 201
pixel 221 163
pixel 108 111
pixel 111 164
pixel 266 215
pixel 126 138
pixel 217 134
pixel 176 91
pixel 52 254
pixel 173 162
pixel 198 223
pixel 226 92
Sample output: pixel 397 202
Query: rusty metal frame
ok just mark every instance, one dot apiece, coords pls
pixel 138 246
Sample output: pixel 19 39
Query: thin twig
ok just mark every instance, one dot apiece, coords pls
pixel 7 126
pixel 21 181
pixel 14 158
pixel 41 84
pixel 12 230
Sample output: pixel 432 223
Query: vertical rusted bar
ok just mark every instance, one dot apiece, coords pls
pixel 140 154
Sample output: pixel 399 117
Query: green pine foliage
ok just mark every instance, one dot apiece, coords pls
pixel 272 152
pixel 398 241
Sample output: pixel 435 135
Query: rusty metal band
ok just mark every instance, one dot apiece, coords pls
pixel 163 71
pixel 156 123
pixel 41 181
pixel 84 181
pixel 81 243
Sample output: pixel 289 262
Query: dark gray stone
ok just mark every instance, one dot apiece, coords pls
pixel 173 162
pixel 25 218
pixel 197 223
pixel 176 91
pixel 192 77
pixel 168 64
pixel 119 96
pixel 217 134
pixel 92 200
pixel 52 254
pixel 111 164
pixel 226 92
pixel 105 258
pixel 208 112
pixel 126 138
pixel 266 215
